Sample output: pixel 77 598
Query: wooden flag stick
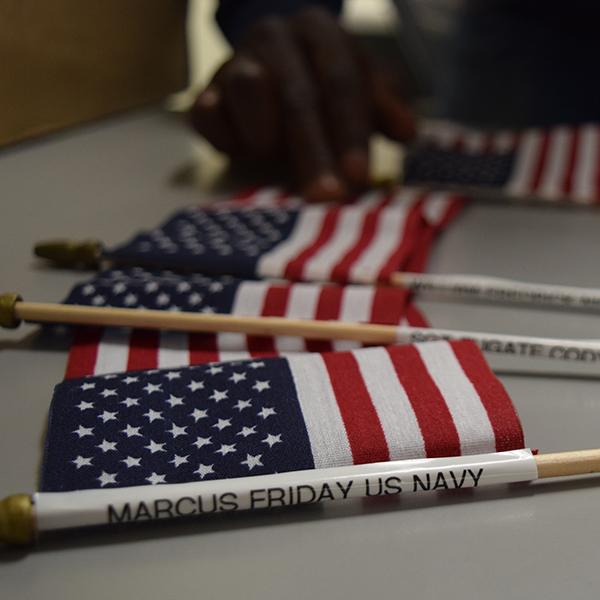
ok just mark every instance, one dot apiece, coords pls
pixel 13 310
pixel 496 289
pixel 23 516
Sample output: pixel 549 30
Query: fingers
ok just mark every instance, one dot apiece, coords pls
pixel 392 115
pixel 342 94
pixel 307 146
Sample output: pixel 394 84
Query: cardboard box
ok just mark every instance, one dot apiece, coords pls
pixel 69 61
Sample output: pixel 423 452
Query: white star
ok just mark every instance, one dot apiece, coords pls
pixel 174 400
pixel 259 386
pixel 83 405
pixel 222 424
pixel 252 461
pixel 130 299
pixel 88 290
pixel 82 461
pixel 129 402
pixel 194 299
pixel 214 370
pixel 107 446
pixel 98 300
pixel 204 470
pixel 199 414
pixel 153 415
pixel 129 379
pixel 155 447
pixel 176 431
pixel 195 385
pixel 226 449
pixel 88 386
pixel 151 286
pixel 130 461
pixel 237 377
pixel 184 286
pixel 119 288
pixel 179 460
pixel 272 439
pixel 106 393
pixel 208 310
pixel 109 376
pixel 201 441
pixel 150 388
pixel 218 395
pixel 246 431
pixel 106 478
pixel 242 404
pixel 215 287
pixel 256 365
pixel 162 299
pixel 173 375
pixel 82 431
pixel 266 412
pixel 155 478
pixel 108 416
pixel 130 431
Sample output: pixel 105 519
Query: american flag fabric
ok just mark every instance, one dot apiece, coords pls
pixel 273 415
pixel 268 234
pixel 561 163
pixel 106 350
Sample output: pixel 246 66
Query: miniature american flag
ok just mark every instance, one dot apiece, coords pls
pixel 274 415
pixel 97 351
pixel 269 234
pixel 558 163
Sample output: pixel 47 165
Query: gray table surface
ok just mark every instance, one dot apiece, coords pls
pixel 539 541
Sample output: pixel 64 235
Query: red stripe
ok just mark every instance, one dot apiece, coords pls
pixel 408 239
pixel 328 309
pixel 538 169
pixel 202 348
pixel 83 352
pixel 295 267
pixel 369 227
pixel 364 431
pixel 389 305
pixel 274 305
pixel 567 186
pixel 415 317
pixel 143 350
pixel 435 421
pixel 501 412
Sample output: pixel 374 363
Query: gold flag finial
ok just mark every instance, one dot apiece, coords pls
pixel 8 319
pixel 70 253
pixel 16 520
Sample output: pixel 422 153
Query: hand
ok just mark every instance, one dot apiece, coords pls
pixel 300 89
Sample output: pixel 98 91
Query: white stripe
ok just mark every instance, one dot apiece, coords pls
pixel 356 307
pixel 525 160
pixel 173 349
pixel 556 164
pixel 393 407
pixel 266 197
pixel 370 199
pixel 306 229
pixel 346 234
pixel 468 413
pixel 474 142
pixel 435 206
pixel 503 142
pixel 248 302
pixel 229 356
pixel 446 134
pixel 586 168
pixel 390 230
pixel 302 304
pixel 322 417
pixel 113 351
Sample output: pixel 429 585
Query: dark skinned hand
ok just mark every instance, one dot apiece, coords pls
pixel 300 89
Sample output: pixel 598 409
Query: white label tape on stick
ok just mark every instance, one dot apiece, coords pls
pixel 59 510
